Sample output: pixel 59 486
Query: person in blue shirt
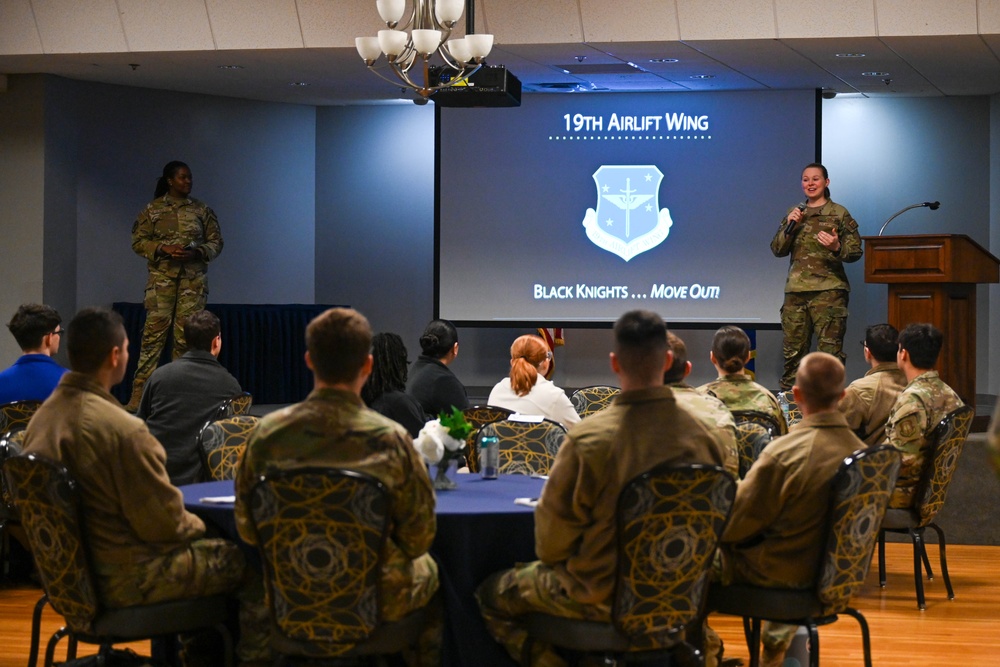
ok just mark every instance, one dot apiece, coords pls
pixel 37 330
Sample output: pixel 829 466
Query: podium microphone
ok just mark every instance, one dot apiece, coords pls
pixel 932 205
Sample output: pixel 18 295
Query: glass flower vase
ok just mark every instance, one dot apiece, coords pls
pixel 442 482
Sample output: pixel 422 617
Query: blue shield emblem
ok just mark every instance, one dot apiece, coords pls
pixel 628 220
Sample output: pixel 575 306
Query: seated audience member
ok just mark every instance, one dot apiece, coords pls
pixel 868 400
pixel 181 396
pixel 526 390
pixel 776 529
pixel 921 406
pixel 332 427
pixel 431 382
pixel 730 354
pixel 708 409
pixel 35 374
pixel 385 390
pixel 144 546
pixel 575 518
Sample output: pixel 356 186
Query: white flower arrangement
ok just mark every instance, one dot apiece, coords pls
pixel 436 440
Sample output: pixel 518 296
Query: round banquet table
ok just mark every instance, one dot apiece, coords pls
pixel 479 531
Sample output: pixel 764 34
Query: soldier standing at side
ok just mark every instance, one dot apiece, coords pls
pixel 178 236
pixel 818 236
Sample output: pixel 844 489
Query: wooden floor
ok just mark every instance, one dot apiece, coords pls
pixel 964 631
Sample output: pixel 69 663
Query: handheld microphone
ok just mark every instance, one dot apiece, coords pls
pixel 932 205
pixel 791 225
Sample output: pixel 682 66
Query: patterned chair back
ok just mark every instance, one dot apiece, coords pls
pixel 237 405
pixel 669 521
pixel 222 443
pixel 588 400
pixel 10 445
pixel 858 500
pixel 479 416
pixel 526 448
pixel 949 439
pixel 15 416
pixel 794 412
pixel 754 429
pixel 322 534
pixel 48 501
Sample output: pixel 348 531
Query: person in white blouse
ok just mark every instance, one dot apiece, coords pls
pixel 526 390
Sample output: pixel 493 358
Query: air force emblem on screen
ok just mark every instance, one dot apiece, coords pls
pixel 628 219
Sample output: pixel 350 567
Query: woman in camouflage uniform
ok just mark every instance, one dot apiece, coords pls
pixel 817 236
pixel 178 236
pixel 730 354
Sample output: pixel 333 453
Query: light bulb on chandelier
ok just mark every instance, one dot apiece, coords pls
pixel 425 34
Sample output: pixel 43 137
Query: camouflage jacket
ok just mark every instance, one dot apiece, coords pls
pixel 739 392
pixel 333 427
pixel 813 268
pixel 170 221
pixel 868 400
pixel 919 409
pixel 713 413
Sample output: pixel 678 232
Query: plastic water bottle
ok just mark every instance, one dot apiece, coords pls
pixel 783 402
pixel 798 652
pixel 489 456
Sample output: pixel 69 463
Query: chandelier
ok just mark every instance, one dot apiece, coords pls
pixel 409 48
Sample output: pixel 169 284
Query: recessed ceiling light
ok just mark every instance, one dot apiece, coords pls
pixel 664 60
pixel 874 74
pixel 702 76
pixel 230 66
pixel 298 84
pixel 849 55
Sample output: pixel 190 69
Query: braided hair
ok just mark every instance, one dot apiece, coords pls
pixel 389 367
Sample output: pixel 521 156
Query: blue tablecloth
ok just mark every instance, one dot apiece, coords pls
pixel 479 531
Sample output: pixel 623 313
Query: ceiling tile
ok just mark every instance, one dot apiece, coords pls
pixel 844 17
pixel 533 22
pixel 81 26
pixel 926 17
pixel 146 29
pixel 255 24
pixel 958 64
pixel 725 19
pixel 629 20
pixel 18 32
pixel 328 24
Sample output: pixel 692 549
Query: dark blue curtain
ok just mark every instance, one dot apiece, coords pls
pixel 262 346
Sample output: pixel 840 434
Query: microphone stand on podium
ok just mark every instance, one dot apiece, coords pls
pixel 932 205
pixel 932 278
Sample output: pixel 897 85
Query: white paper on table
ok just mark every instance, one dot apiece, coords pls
pixel 527 502
pixel 531 419
pixel 218 500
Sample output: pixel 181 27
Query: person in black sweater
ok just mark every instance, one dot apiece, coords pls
pixel 385 390
pixel 431 381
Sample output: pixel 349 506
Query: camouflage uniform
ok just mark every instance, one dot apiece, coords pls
pixel 143 545
pixel 925 401
pixel 776 528
pixel 174 289
pixel 816 291
pixel 868 400
pixel 738 392
pixel 575 518
pixel 713 413
pixel 333 427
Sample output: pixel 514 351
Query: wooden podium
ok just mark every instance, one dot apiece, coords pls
pixel 932 278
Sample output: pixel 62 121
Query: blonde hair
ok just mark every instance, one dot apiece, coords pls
pixel 526 354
